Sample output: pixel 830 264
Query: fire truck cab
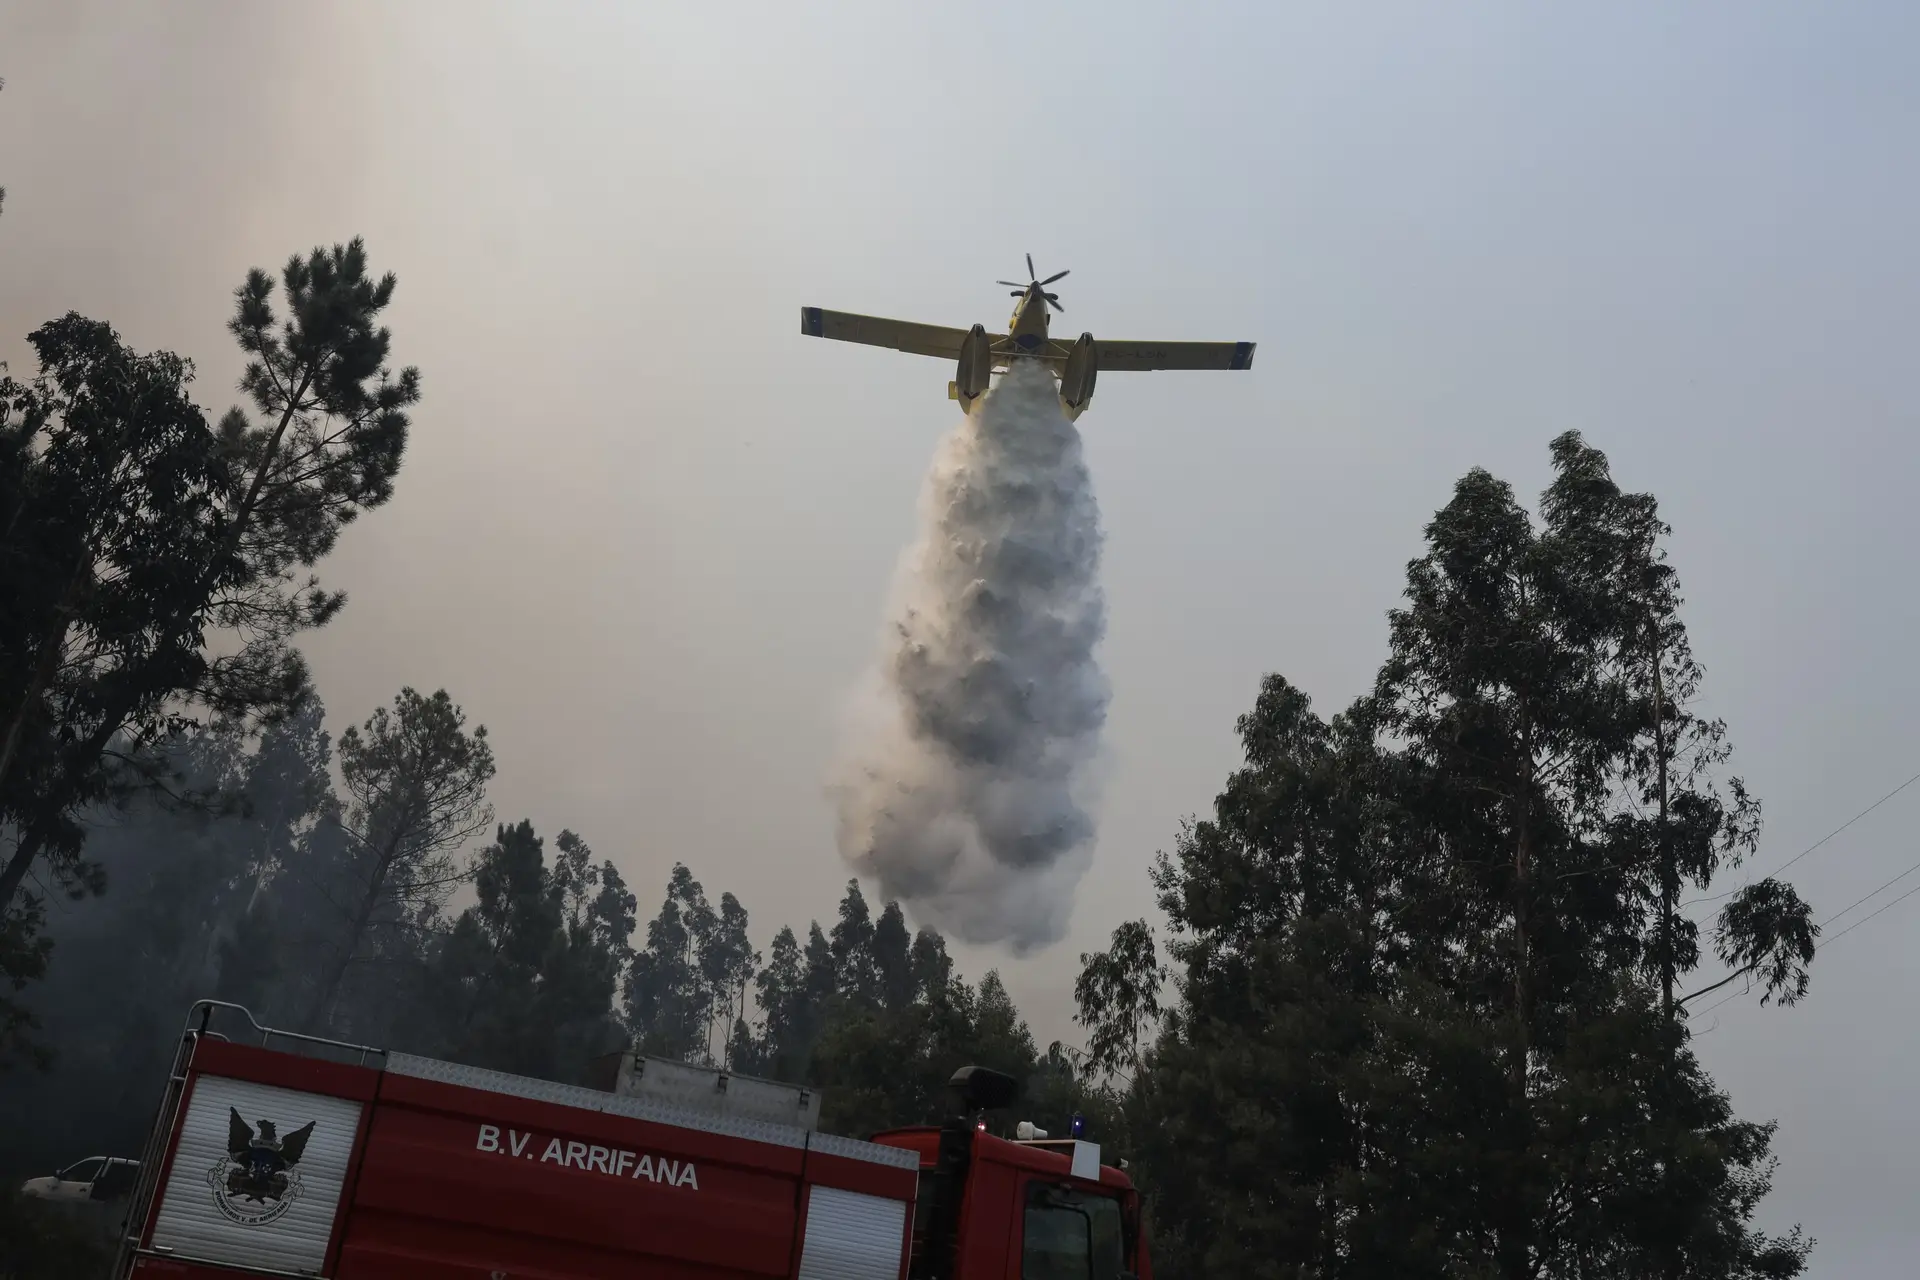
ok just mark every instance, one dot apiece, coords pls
pixel 286 1155
pixel 1027 1209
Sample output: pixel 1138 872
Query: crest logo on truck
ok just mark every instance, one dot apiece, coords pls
pixel 258 1179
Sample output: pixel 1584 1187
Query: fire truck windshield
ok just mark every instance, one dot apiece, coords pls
pixel 1071 1235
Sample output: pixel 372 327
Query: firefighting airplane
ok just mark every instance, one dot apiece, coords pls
pixel 981 354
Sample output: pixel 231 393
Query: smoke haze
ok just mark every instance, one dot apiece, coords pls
pixel 1452 241
pixel 963 791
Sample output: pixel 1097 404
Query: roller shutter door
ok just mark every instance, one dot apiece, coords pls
pixel 216 1209
pixel 852 1236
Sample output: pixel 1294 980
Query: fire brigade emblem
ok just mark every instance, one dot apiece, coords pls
pixel 258 1179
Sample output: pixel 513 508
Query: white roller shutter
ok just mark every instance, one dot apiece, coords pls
pixel 202 1217
pixel 852 1236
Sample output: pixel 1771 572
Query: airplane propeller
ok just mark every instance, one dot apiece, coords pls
pixel 1053 299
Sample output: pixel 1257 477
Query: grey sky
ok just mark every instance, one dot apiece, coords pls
pixel 646 529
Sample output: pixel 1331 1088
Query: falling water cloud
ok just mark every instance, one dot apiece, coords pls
pixel 964 787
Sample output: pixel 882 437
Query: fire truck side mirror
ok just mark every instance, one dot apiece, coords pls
pixel 982 1089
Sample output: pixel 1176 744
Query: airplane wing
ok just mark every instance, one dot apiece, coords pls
pixel 901 335
pixel 1173 355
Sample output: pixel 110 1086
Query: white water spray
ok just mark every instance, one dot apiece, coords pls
pixel 964 790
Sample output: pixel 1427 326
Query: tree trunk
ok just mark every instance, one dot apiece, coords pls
pixel 208 962
pixel 1668 880
pixel 15 872
pixel 323 999
pixel 403 825
pixel 1514 1250
pixel 51 647
pixel 1523 870
pixel 43 670
pixel 244 515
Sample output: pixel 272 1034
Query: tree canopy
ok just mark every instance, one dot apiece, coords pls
pixel 1425 951
pixel 133 532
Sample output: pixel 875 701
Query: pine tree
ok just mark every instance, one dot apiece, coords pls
pixel 527 974
pixel 853 955
pixel 416 783
pixel 882 1068
pixel 1000 1033
pixel 823 967
pixel 930 965
pixel 494 957
pixel 786 1009
pixel 892 958
pixel 112 646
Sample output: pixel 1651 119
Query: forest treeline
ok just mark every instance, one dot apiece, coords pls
pixel 297 899
pixel 1416 1003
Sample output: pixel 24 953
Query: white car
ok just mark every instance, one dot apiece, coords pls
pixel 95 1178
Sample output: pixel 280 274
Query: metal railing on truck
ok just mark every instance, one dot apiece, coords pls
pixel 153 1154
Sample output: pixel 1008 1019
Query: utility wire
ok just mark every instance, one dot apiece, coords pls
pixel 1871 914
pixel 1876 893
pixel 1722 1000
pixel 1826 942
pixel 1821 841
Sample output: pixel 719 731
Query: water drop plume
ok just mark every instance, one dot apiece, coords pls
pixel 964 789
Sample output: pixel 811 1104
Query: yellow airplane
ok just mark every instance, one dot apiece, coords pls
pixel 981 354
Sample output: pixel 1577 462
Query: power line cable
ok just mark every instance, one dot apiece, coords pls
pixel 1876 893
pixel 1826 942
pixel 1870 915
pixel 1817 843
pixel 1849 822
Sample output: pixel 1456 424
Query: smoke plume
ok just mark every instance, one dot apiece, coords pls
pixel 964 791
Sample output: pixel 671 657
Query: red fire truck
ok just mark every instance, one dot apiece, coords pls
pixel 287 1155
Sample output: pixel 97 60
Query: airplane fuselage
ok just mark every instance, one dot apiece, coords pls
pixel 1027 330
